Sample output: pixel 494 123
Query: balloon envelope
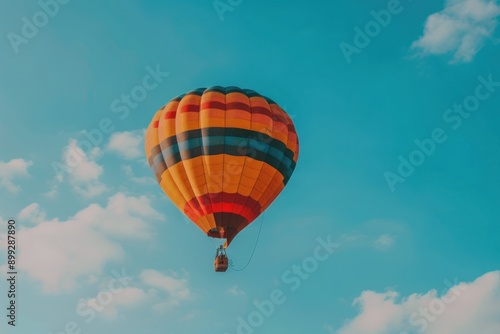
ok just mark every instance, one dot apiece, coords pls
pixel 222 155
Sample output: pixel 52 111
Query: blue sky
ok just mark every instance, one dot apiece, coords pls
pixel 414 231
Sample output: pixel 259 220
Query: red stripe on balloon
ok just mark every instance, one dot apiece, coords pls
pixel 190 108
pixel 213 203
pixel 170 114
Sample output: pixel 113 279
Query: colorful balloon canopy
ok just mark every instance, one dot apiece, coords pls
pixel 222 155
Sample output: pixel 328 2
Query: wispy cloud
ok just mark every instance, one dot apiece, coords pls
pixel 128 298
pixel 176 288
pixel 461 28
pixel 385 241
pixel 83 171
pixel 127 144
pixel 32 214
pixel 235 291
pixel 52 193
pixel 162 292
pixel 15 168
pixel 462 309
pixel 380 242
pixel 145 180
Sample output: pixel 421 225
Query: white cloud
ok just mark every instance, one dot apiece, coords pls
pixel 84 172
pixel 60 254
pixel 32 214
pixel 464 308
pixel 15 168
pixel 125 298
pixel 127 144
pixel 381 242
pixel 52 193
pixel 145 180
pixel 124 216
pixel 461 28
pixel 162 292
pixel 176 288
pixel 130 296
pixel 235 291
pixel 385 241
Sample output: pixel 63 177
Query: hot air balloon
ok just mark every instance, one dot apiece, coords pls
pixel 222 155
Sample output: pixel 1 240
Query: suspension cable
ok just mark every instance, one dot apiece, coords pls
pixel 253 251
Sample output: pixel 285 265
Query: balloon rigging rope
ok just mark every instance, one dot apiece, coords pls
pixel 253 251
pixel 213 243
